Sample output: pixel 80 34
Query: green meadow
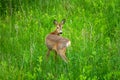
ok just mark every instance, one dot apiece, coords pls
pixel 92 26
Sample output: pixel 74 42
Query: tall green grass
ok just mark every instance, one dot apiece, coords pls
pixel 93 28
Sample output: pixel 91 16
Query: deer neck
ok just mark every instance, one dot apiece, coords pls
pixel 55 33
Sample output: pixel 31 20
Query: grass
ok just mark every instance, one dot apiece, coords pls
pixel 92 27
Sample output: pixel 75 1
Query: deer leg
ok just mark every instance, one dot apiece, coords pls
pixel 64 51
pixel 62 54
pixel 55 55
pixel 48 53
pixel 64 58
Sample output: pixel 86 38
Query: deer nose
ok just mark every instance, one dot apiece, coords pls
pixel 60 32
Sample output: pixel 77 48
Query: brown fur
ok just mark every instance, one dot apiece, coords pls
pixel 57 43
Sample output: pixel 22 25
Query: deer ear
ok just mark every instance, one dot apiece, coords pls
pixel 55 22
pixel 63 21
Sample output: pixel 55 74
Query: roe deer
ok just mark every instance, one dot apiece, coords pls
pixel 57 43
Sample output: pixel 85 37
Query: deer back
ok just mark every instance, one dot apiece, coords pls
pixel 57 42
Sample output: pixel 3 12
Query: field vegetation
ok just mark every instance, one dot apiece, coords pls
pixel 93 27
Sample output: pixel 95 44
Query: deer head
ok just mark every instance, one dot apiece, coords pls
pixel 59 26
